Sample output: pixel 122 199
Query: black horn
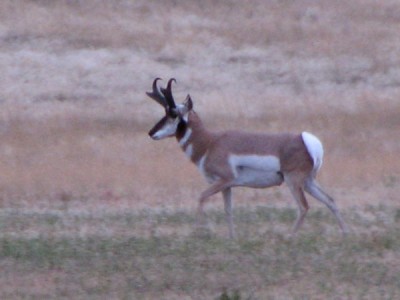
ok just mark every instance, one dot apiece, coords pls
pixel 156 95
pixel 168 94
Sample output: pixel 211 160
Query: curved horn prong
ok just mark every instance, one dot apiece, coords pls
pixel 170 83
pixel 168 94
pixel 156 95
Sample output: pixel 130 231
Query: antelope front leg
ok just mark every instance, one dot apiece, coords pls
pixel 216 187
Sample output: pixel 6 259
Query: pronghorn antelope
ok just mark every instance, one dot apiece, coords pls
pixel 234 158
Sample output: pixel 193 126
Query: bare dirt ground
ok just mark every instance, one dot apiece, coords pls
pixel 74 116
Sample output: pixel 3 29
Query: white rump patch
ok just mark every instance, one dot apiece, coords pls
pixel 314 148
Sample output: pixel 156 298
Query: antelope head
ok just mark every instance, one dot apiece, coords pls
pixel 175 115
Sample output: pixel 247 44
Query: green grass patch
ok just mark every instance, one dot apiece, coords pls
pixel 141 265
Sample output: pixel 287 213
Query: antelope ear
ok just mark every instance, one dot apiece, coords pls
pixel 188 103
pixel 183 109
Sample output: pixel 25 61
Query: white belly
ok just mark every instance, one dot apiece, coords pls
pixel 255 170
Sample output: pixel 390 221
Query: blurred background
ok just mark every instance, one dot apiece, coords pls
pixel 74 116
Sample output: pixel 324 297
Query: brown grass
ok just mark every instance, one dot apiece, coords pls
pixel 74 116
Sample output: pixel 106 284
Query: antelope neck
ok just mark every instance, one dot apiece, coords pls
pixel 193 137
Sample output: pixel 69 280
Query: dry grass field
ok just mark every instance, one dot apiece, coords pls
pixel 91 208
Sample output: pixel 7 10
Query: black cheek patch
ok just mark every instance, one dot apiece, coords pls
pixel 181 130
